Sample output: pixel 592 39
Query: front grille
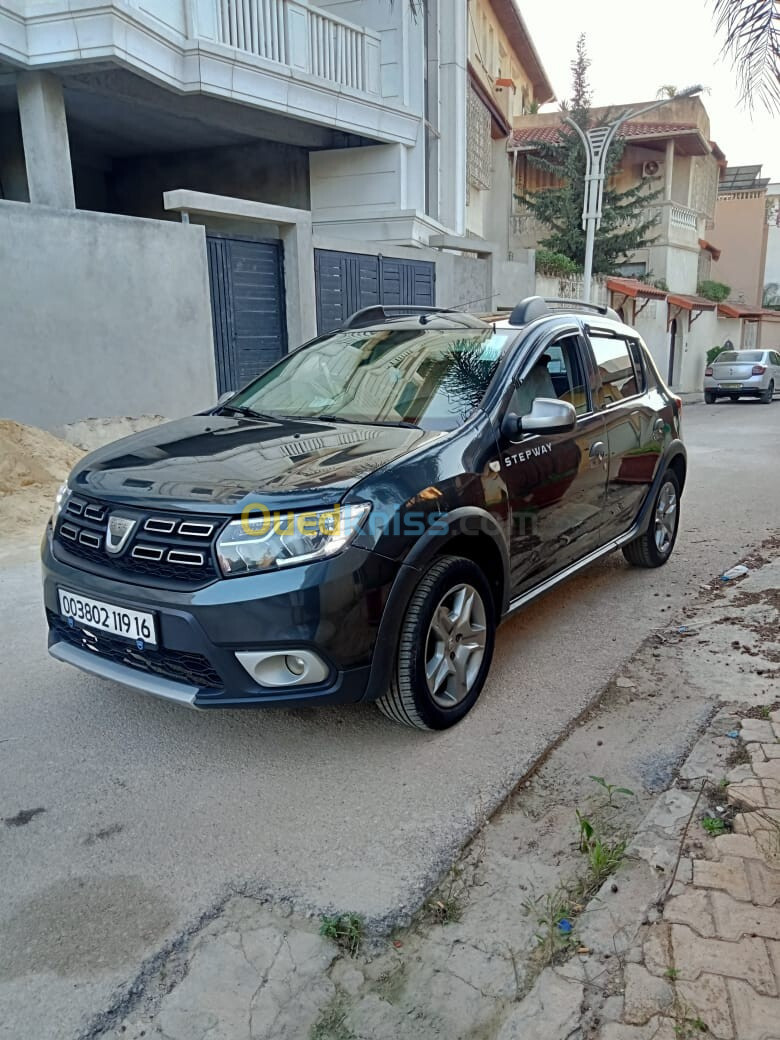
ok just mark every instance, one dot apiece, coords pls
pixel 167 547
pixel 193 669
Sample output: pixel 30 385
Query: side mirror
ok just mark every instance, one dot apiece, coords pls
pixel 549 415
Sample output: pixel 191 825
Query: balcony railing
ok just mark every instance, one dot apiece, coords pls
pixel 682 216
pixel 291 33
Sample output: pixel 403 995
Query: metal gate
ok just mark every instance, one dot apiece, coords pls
pixel 348 281
pixel 246 276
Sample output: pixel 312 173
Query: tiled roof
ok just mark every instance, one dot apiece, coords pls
pixel 691 303
pixel 633 287
pixel 738 310
pixel 551 134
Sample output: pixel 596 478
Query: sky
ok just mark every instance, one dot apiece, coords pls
pixel 636 48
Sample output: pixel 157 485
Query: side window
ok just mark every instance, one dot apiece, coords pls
pixel 619 362
pixel 557 372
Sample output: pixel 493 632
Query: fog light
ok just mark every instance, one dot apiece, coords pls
pixel 297 665
pixel 279 668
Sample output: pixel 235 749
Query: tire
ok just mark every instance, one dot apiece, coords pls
pixel 647 550
pixel 768 394
pixel 709 397
pixel 428 634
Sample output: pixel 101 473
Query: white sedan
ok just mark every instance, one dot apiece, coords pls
pixel 743 373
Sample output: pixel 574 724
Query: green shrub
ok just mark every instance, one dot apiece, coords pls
pixel 555 264
pixel 715 291
pixel 713 352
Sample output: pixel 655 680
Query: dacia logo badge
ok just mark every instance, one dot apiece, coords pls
pixel 119 530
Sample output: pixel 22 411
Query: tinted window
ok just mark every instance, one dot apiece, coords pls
pixel 557 372
pixel 433 378
pixel 746 357
pixel 620 367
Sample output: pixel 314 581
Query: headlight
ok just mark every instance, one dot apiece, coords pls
pixel 60 501
pixel 264 541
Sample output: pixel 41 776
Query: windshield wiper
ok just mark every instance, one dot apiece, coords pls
pixel 364 422
pixel 250 413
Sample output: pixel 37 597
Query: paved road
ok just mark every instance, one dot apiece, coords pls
pixel 152 813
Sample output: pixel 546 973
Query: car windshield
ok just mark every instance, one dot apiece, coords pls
pixel 744 356
pixel 432 378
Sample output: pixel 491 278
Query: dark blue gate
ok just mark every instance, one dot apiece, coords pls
pixel 246 276
pixel 348 281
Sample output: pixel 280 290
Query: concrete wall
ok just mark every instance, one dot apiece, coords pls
pixel 740 233
pixel 101 316
pixel 772 266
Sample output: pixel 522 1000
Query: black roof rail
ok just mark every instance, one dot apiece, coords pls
pixel 379 312
pixel 536 307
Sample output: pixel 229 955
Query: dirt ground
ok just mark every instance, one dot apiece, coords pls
pixel 34 462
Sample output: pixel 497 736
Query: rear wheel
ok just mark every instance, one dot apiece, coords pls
pixel 709 397
pixel 654 547
pixel 766 396
pixel 444 649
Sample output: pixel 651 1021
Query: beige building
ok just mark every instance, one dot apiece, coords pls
pixel 670 149
pixel 741 233
pixel 506 80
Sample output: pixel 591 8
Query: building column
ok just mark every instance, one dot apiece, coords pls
pixel 668 171
pixel 453 127
pixel 45 136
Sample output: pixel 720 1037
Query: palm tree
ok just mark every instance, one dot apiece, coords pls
pixel 752 41
pixel 668 90
pixel 772 295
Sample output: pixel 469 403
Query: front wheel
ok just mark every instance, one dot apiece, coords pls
pixel 766 396
pixel 654 547
pixel 444 648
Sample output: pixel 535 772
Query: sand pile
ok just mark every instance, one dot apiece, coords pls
pixel 33 464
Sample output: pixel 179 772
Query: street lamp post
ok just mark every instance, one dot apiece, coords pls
pixel 596 141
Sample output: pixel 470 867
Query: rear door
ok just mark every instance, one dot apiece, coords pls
pixel 633 409
pixel 556 484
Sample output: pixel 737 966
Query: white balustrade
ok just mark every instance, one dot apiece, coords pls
pixel 307 38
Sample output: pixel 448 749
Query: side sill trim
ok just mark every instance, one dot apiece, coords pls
pixel 157 686
pixel 551 582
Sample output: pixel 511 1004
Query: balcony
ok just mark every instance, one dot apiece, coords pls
pixel 293 34
pixel 279 55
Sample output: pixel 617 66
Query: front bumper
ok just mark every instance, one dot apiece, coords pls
pixel 332 607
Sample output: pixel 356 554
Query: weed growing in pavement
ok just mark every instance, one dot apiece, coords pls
pixel 739 756
pixel 555 932
pixel 713 825
pixel 612 789
pixel 331 1024
pixel 604 858
pixel 346 930
pixel 672 973
pixel 448 904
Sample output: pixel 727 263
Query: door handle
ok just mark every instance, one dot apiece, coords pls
pixel 598 452
pixel 658 429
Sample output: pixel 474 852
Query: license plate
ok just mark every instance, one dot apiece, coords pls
pixel 731 386
pixel 107 617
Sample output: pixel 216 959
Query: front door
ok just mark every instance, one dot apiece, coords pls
pixel 556 483
pixel 246 278
pixel 637 425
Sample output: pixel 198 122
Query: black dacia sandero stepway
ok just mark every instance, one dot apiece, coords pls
pixel 354 524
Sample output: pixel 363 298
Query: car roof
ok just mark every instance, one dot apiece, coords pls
pixel 532 311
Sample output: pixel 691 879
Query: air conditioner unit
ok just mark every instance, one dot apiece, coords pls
pixel 652 168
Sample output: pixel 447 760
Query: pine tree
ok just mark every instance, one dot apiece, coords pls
pixel 626 224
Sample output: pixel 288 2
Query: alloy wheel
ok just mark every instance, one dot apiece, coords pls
pixel 455 645
pixel 665 518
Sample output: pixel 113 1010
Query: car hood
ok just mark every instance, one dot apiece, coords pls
pixel 223 463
